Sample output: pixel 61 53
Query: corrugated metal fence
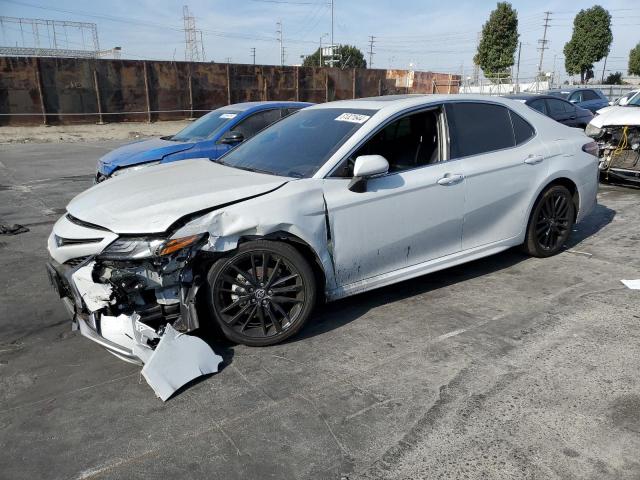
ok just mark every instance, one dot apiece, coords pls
pixel 36 90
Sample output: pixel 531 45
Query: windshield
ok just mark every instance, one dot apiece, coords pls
pixel 634 101
pixel 300 144
pixel 564 95
pixel 205 127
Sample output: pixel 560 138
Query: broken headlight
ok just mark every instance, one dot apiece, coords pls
pixel 135 248
pixel 593 131
pixel 135 168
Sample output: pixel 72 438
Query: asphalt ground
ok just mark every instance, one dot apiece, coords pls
pixel 507 367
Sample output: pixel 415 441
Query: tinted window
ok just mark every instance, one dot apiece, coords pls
pixel 407 143
pixel 256 122
pixel 590 95
pixel 521 128
pixel 539 105
pixel 576 96
pixel 478 128
pixel 288 111
pixel 557 107
pixel 205 127
pixel 300 144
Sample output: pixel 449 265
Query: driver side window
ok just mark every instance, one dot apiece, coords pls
pixel 410 142
pixel 256 122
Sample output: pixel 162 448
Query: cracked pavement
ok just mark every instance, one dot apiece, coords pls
pixel 507 367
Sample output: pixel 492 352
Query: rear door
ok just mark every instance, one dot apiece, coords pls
pixel 503 162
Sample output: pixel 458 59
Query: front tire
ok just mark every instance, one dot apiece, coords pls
pixel 262 293
pixel 550 223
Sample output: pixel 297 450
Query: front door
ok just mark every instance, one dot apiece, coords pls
pixel 409 216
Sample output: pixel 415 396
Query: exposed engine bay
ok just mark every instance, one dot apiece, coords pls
pixel 619 152
pixel 140 308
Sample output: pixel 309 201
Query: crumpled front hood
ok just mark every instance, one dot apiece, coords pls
pixel 151 200
pixel 141 152
pixel 617 116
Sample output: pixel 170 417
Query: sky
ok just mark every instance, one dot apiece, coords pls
pixel 409 34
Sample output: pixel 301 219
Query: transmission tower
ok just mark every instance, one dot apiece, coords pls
pixel 543 41
pixel 372 39
pixel 193 47
pixel 279 33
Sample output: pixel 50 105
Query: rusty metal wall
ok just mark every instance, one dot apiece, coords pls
pixel 36 90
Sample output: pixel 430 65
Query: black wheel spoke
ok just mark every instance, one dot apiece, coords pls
pixel 285 300
pixel 273 274
pixel 265 267
pixel 243 274
pixel 249 317
pixel 282 280
pixel 291 289
pixel 276 323
pixel 254 269
pixel 282 312
pixel 235 303
pixel 238 315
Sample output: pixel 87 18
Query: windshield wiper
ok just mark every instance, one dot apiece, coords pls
pixel 251 169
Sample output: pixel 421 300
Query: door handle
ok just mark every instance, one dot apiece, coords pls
pixel 533 159
pixel 450 179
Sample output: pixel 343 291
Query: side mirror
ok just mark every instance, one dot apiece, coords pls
pixel 574 100
pixel 232 138
pixel 367 166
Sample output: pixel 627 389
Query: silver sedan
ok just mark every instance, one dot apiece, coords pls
pixel 333 200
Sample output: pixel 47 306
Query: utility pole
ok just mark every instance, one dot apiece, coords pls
pixel 279 33
pixel 332 43
pixel 476 67
pixel 518 69
pixel 604 68
pixel 543 42
pixel 253 54
pixel 372 39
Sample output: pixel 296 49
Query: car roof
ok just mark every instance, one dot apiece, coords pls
pixel 570 90
pixel 400 102
pixel 532 96
pixel 245 106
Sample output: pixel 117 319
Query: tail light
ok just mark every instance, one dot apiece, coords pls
pixel 591 148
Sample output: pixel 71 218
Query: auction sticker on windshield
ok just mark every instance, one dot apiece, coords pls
pixel 353 118
pixel 228 115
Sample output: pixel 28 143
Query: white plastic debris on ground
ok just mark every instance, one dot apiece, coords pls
pixel 95 295
pixel 178 359
pixel 632 284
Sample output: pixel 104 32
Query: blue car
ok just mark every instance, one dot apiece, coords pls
pixel 210 136
pixel 589 98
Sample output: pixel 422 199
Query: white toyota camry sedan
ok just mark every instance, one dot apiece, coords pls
pixel 333 200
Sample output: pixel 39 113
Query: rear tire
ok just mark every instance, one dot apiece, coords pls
pixel 262 293
pixel 550 222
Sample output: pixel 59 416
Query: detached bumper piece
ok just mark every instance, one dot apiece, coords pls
pixel 138 321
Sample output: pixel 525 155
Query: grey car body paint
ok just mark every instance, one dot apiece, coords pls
pixel 166 375
pixel 297 208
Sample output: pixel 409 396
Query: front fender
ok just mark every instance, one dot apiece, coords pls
pixel 298 208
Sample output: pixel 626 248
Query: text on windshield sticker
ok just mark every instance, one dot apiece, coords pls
pixel 353 118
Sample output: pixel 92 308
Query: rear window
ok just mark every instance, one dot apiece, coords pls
pixel 521 128
pixel 478 128
pixel 589 95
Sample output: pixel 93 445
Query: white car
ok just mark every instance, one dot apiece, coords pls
pixel 617 131
pixel 334 200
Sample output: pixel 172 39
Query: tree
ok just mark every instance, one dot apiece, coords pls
pixel 634 60
pixel 589 43
pixel 613 79
pixel 498 43
pixel 347 56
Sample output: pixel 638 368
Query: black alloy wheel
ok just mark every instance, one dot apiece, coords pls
pixel 551 222
pixel 261 294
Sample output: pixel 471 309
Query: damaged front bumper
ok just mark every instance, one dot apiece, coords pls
pixel 104 314
pixel 126 306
